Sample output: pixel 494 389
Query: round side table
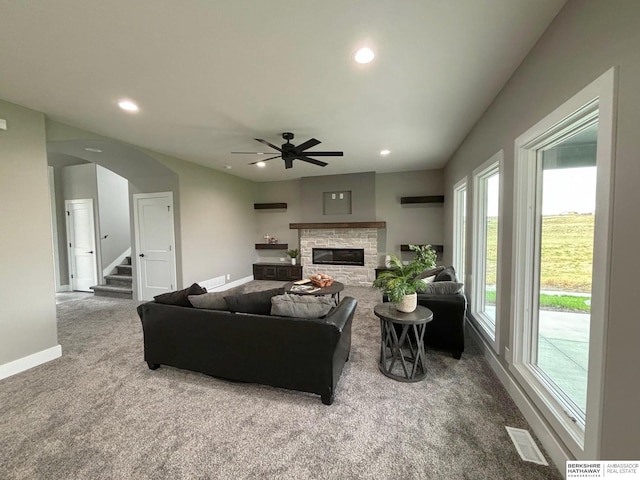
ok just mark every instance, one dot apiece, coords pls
pixel 403 352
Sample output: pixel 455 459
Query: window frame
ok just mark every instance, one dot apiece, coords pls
pixel 597 99
pixel 478 249
pixel 460 229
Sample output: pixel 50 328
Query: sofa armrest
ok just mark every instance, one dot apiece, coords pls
pixel 344 312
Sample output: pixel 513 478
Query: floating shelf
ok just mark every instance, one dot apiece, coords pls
pixel 424 199
pixel 269 206
pixel 272 246
pixel 299 226
pixel 437 248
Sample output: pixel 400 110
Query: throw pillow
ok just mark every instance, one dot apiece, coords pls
pixel 214 300
pixel 301 306
pixel 446 275
pixel 254 302
pixel 430 273
pixel 180 297
pixel 443 288
pixel 210 301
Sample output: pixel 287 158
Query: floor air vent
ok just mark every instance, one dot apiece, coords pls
pixel 525 446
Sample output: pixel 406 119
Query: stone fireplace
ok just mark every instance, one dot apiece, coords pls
pixel 341 236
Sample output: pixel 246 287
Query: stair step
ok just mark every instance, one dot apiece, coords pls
pixel 112 291
pixel 119 280
pixel 123 269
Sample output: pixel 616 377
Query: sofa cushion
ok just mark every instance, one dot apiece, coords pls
pixel 253 302
pixel 443 288
pixel 214 300
pixel 301 306
pixel 429 273
pixel 448 274
pixel 180 297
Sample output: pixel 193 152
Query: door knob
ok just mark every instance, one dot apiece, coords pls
pixel 90 251
pixel 141 255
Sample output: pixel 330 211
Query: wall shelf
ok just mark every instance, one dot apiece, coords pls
pixel 272 246
pixel 269 206
pixel 423 199
pixel 437 248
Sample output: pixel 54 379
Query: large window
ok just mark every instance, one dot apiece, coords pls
pixel 486 218
pixel 560 262
pixel 460 228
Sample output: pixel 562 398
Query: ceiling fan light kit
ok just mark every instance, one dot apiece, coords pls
pixel 290 152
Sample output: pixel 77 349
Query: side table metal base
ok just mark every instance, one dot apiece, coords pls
pixel 404 353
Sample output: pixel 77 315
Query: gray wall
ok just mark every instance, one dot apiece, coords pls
pixel 27 284
pixel 113 207
pixel 363 195
pixel 276 222
pixel 409 224
pixel 376 198
pixel 585 40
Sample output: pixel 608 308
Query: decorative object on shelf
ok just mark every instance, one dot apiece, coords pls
pixel 400 282
pixel 273 240
pixel 293 253
pixel 425 255
pixel 437 248
pixel 321 280
pixel 267 238
pixel 387 261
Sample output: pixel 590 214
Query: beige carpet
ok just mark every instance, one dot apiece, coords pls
pixel 99 413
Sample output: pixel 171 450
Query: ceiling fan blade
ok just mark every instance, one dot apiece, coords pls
pixel 324 154
pixel 265 160
pixel 253 153
pixel 308 144
pixel 269 144
pixel 311 160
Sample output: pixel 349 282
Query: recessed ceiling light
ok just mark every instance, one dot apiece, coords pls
pixel 94 150
pixel 228 167
pixel 385 152
pixel 364 55
pixel 128 106
pixel 261 164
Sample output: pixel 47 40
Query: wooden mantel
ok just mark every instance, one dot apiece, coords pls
pixel 300 226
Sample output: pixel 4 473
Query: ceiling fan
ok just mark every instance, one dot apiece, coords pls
pixel 290 152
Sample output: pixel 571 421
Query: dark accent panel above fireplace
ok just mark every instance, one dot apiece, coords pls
pixel 338 256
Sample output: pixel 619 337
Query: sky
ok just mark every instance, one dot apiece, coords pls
pixel 564 190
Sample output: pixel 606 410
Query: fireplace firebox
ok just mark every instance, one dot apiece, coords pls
pixel 338 256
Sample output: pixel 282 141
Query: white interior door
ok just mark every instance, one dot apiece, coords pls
pixel 155 244
pixel 81 241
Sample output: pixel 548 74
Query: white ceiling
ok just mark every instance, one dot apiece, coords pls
pixel 211 76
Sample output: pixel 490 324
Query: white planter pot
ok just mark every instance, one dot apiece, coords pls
pixel 293 261
pixel 408 303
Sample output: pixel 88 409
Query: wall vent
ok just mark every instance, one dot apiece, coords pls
pixel 526 446
pixel 212 283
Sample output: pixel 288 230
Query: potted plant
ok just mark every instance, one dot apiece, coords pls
pixel 426 256
pixel 293 253
pixel 400 283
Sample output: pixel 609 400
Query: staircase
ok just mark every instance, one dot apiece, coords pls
pixel 118 284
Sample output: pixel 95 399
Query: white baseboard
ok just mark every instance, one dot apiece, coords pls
pixel 63 288
pixel 30 361
pixel 235 283
pixel 554 448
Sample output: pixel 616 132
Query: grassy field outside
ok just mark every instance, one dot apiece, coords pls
pixel 566 260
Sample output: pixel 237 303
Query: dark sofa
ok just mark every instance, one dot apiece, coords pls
pixel 446 330
pixel 301 354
